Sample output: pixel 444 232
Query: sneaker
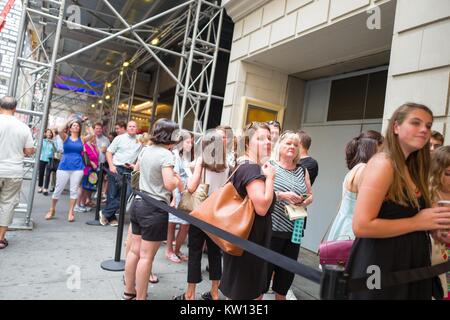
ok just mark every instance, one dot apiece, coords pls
pixel 79 209
pixel 103 220
pixel 113 223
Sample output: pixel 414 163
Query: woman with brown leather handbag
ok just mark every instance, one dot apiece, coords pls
pixel 244 277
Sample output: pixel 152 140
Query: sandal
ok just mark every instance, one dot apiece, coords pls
pixel 180 297
pixel 71 218
pixel 207 296
pixel 128 296
pixel 174 258
pixel 3 243
pixel 182 256
pixel 154 277
pixel 49 215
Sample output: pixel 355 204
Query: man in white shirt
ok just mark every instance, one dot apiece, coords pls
pixel 15 142
pixel 121 156
pixel 102 142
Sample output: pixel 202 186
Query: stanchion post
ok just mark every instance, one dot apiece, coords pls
pixel 117 264
pixel 96 221
pixel 334 283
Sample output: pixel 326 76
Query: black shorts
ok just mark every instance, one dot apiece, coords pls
pixel 148 221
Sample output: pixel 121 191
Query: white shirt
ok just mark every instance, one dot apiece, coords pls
pixel 125 149
pixel 14 137
pixel 102 141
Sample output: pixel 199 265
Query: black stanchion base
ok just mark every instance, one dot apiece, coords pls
pixel 113 265
pixel 94 223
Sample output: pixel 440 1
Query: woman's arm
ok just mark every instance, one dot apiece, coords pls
pixel 89 133
pixel 170 179
pixel 377 179
pixel 194 181
pixel 308 200
pixel 61 131
pixel 260 192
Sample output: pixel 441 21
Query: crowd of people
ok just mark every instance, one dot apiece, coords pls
pixel 393 197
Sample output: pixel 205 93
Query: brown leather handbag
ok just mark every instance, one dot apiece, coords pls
pixel 225 209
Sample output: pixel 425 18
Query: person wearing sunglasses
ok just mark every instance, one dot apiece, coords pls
pixel 275 130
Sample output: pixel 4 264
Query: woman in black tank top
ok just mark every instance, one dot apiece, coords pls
pixel 391 221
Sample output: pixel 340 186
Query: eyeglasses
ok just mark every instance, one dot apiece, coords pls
pixel 273 123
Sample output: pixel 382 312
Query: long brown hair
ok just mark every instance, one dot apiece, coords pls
pixel 417 163
pixel 217 159
pixel 440 161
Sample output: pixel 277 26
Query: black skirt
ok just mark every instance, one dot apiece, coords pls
pixel 404 252
pixel 244 277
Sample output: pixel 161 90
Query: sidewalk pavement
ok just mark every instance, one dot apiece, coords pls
pixel 59 260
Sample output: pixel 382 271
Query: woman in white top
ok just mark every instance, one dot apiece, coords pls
pixel 184 155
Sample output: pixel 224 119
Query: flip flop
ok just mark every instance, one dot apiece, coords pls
pixel 174 258
pixel 182 256
pixel 180 297
pixel 128 296
pixel 207 296
pixel 154 277
pixel 3 243
pixel 49 215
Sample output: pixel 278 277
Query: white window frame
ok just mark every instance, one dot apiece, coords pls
pixel 324 121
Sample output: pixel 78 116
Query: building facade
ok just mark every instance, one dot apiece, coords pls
pixel 335 68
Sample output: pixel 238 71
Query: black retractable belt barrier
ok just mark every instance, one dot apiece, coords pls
pixel 117 264
pixel 96 221
pixel 259 251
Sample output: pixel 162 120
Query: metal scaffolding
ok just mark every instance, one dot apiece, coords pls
pixel 197 23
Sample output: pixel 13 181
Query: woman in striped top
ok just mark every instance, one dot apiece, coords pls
pixel 291 184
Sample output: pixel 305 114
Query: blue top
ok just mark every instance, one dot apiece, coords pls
pixel 72 159
pixel 47 150
pixel 342 228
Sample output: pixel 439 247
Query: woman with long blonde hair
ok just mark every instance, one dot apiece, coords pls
pixel 392 215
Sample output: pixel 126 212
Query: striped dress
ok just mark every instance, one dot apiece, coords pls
pixel 286 180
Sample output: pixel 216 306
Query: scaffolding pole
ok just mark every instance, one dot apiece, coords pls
pixel 193 100
pixel 48 96
pixel 131 97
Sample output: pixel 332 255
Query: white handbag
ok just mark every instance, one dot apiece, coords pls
pixel 294 212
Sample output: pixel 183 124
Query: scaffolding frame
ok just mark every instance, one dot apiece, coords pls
pixel 199 26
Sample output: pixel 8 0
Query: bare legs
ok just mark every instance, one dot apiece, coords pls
pixel 52 211
pixel 138 265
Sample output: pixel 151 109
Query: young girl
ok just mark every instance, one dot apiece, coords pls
pixel 391 219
